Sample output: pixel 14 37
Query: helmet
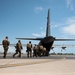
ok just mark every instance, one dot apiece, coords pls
pixel 18 40
pixel 6 37
pixel 29 41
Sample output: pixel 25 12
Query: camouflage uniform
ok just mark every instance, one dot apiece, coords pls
pixel 35 51
pixel 5 44
pixel 18 49
pixel 44 51
pixel 40 50
pixel 29 50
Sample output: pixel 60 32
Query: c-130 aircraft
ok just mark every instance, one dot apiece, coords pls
pixel 48 40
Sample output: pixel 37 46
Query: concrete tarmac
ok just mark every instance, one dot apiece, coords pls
pixel 52 65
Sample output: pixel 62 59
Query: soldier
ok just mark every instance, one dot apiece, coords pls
pixel 5 44
pixel 29 49
pixel 44 51
pixel 35 50
pixel 18 49
pixel 40 50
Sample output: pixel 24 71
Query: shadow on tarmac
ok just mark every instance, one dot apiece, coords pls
pixel 10 56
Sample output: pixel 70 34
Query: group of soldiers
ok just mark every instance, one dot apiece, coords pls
pixel 37 50
pixel 31 51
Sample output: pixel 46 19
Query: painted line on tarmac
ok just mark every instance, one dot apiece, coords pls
pixel 28 63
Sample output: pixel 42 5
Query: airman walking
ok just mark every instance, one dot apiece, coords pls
pixel 29 49
pixel 35 50
pixel 44 51
pixel 5 44
pixel 40 50
pixel 18 48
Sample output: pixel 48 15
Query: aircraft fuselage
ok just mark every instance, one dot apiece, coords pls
pixel 47 42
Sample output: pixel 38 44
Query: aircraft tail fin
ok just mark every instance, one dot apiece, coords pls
pixel 48 24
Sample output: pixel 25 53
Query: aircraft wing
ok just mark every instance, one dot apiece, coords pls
pixel 64 39
pixel 29 38
pixel 25 39
pixel 42 38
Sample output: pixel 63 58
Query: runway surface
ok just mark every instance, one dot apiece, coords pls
pixel 52 65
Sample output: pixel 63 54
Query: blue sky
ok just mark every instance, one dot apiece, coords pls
pixel 28 18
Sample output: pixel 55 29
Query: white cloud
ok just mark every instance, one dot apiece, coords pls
pixel 37 35
pixel 71 20
pixel 38 9
pixel 42 34
pixel 70 4
pixel 56 25
pixel 70 28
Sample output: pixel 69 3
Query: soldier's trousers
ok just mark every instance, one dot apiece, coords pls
pixel 44 53
pixel 17 51
pixel 5 53
pixel 40 52
pixel 35 53
pixel 29 52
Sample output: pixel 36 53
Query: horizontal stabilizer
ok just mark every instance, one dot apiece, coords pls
pixel 64 39
pixel 29 38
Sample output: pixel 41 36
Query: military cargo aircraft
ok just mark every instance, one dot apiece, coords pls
pixel 48 40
